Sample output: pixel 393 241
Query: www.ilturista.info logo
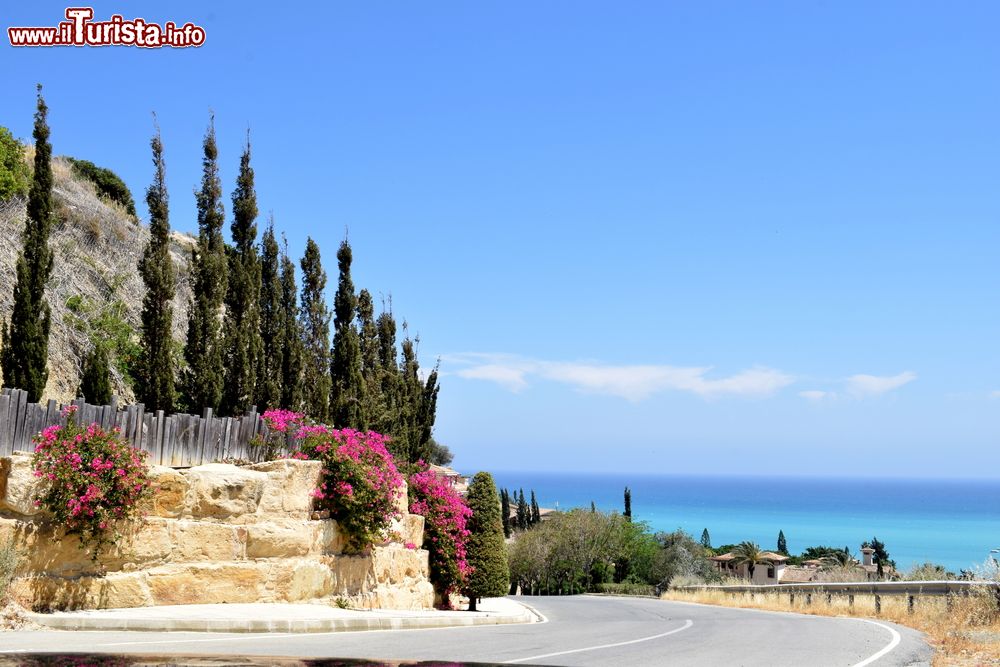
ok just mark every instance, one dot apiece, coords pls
pixel 81 30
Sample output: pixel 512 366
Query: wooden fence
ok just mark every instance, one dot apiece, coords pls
pixel 177 440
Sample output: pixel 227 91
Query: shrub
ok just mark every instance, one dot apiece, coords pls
pixel 445 533
pixel 107 182
pixel 360 484
pixel 282 426
pixel 95 480
pixel 14 173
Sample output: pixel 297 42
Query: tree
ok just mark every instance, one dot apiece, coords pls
pixel 292 352
pixel 706 539
pixel 439 455
pixel 370 367
pixel 14 174
pixel 505 511
pixel 156 366
pixel 536 513
pixel 782 545
pixel 243 344
pixel 95 381
pixel 388 403
pixel 25 342
pixel 750 554
pixel 523 513
pixel 628 504
pixel 203 353
pixel 486 550
pixel 315 324
pixel 269 371
pixel 347 385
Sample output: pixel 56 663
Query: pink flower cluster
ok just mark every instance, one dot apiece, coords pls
pixel 360 484
pixel 445 534
pixel 93 478
pixel 283 421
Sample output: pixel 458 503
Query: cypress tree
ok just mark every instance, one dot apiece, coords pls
pixel 536 513
pixel 242 324
pixel 706 540
pixel 782 545
pixel 204 376
pixel 523 512
pixel 628 504
pixel 347 385
pixel 156 365
pixel 95 381
pixel 370 368
pixel 315 325
pixel 505 511
pixel 292 353
pixel 25 343
pixel 593 507
pixel 417 406
pixel 387 417
pixel 269 370
pixel 487 552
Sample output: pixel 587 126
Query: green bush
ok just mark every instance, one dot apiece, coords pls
pixel 107 182
pixel 625 588
pixel 14 173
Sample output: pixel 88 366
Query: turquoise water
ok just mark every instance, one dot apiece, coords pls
pixel 951 522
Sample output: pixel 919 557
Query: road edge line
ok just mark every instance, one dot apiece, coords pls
pixel 687 624
pixel 896 640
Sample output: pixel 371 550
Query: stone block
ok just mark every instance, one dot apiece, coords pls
pixel 222 491
pixel 288 487
pixel 20 485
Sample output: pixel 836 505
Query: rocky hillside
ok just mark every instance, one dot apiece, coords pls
pixel 96 291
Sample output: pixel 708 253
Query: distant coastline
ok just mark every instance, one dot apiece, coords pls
pixel 954 523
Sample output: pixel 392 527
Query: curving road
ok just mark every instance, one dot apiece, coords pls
pixel 582 630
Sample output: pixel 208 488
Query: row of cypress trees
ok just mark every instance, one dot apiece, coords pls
pixel 252 338
pixel 524 514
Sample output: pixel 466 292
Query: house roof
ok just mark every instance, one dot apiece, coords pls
pixel 798 575
pixel 766 555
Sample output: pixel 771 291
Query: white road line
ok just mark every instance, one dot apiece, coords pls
pixel 687 624
pixel 892 644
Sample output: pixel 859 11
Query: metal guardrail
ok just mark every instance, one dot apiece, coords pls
pixel 910 589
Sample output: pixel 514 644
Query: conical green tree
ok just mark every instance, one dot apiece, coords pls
pixel 347 385
pixel 315 320
pixel 242 324
pixel 292 353
pixel 505 511
pixel 486 550
pixel 706 539
pixel 370 368
pixel 536 512
pixel 782 544
pixel 25 342
pixel 95 381
pixel 387 415
pixel 203 353
pixel 523 512
pixel 156 365
pixel 628 504
pixel 269 373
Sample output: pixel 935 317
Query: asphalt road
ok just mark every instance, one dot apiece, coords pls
pixel 581 630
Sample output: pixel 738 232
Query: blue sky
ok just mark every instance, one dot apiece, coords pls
pixel 678 237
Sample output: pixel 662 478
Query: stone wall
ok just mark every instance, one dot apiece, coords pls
pixel 213 533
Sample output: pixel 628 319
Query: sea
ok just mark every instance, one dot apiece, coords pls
pixel 954 523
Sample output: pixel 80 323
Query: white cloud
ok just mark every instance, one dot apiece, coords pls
pixel 816 394
pixel 995 393
pixel 861 386
pixel 631 382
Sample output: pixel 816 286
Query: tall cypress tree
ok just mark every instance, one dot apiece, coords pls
pixel 706 540
pixel 523 512
pixel 368 346
pixel 417 406
pixel 505 511
pixel 95 381
pixel 387 418
pixel 204 376
pixel 782 544
pixel 536 513
pixel 487 552
pixel 25 342
pixel 156 366
pixel 242 325
pixel 292 354
pixel 347 385
pixel 628 504
pixel 315 321
pixel 269 370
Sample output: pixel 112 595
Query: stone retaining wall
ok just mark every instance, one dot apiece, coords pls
pixel 214 533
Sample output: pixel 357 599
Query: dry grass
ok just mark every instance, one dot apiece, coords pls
pixel 965 633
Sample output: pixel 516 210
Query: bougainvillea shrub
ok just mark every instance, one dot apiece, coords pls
pixel 282 425
pixel 445 534
pixel 360 485
pixel 93 480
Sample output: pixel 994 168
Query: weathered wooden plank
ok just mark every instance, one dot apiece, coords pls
pixel 22 400
pixel 5 444
pixel 140 436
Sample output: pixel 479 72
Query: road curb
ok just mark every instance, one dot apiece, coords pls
pixel 71 621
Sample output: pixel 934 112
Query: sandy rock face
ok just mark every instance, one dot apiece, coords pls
pixel 213 533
